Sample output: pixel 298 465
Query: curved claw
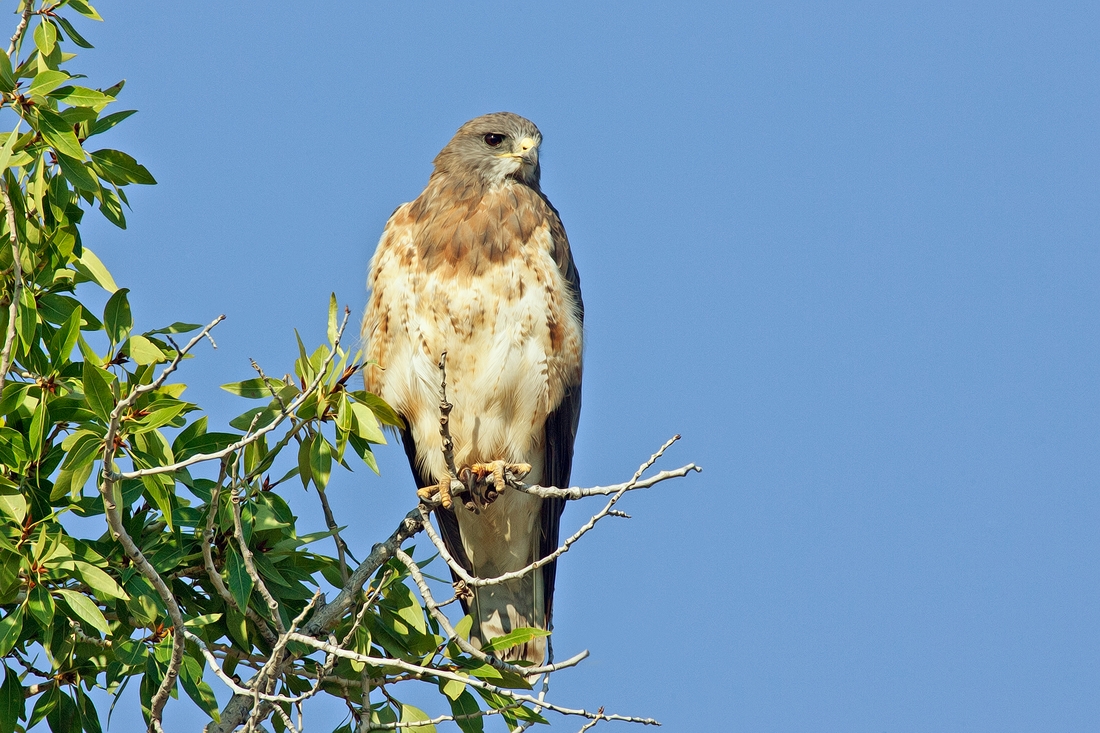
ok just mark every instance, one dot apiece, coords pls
pixel 442 489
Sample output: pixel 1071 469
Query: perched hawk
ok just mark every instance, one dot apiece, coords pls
pixel 478 266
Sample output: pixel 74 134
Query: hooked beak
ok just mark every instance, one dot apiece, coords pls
pixel 528 152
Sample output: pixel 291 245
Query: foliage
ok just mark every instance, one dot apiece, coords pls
pixel 189 567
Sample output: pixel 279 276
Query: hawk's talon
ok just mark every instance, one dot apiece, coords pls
pixel 442 489
pixel 486 481
pixel 496 469
pixel 463 592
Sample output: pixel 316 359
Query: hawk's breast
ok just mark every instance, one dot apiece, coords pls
pixel 482 281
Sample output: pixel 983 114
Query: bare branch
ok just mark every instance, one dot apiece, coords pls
pixel 17 37
pixel 446 674
pixel 620 490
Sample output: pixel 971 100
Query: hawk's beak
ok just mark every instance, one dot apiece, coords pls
pixel 528 151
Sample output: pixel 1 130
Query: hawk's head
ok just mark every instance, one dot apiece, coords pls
pixel 495 148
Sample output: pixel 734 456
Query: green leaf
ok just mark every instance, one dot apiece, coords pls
pixel 143 351
pixel 46 82
pixel 253 389
pixel 204 620
pixel 116 316
pixel 13 397
pixel 84 9
pixel 244 421
pixel 463 627
pixel 28 317
pixel 72 34
pixel 77 173
pixel 65 716
pixel 197 690
pixel 111 207
pixel 332 322
pixel 13 448
pixel 45 37
pixel 82 97
pixel 240 582
pixel 105 123
pixel 9 145
pixel 13 503
pixel 513 638
pixel 97 392
pixel 159 488
pixel 10 628
pixel 466 704
pixel 64 341
pixel 46 704
pixel 366 424
pixel 451 688
pixel 178 327
pixel 206 443
pixel 40 604
pixel 159 417
pixel 378 406
pixel 84 609
pixel 71 481
pixel 94 270
pixel 40 423
pixel 89 717
pixel 12 700
pixel 362 447
pixel 120 168
pixel 103 584
pixel 131 652
pixel 304 451
pixel 58 133
pixel 7 78
pixel 320 461
pixel 409 714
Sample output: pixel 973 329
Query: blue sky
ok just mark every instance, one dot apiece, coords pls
pixel 849 251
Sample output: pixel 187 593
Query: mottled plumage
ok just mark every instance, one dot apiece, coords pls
pixel 479 266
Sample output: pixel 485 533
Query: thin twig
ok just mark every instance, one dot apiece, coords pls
pixel 446 674
pixel 333 527
pixel 564 547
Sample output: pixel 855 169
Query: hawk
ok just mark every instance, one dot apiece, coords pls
pixel 479 267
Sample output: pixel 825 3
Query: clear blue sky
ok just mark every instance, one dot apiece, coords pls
pixel 850 251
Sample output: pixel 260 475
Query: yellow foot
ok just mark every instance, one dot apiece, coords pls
pixel 443 489
pixel 496 469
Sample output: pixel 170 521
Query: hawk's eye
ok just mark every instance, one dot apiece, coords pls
pixel 493 140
